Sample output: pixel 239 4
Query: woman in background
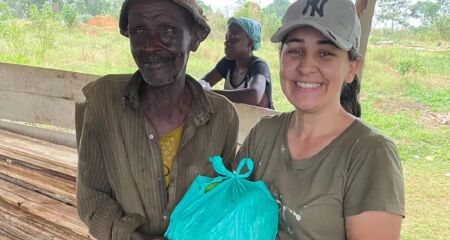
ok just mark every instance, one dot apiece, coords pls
pixel 247 77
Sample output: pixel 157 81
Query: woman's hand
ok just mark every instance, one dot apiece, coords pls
pixel 140 236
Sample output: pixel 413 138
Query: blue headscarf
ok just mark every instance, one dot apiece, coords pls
pixel 251 27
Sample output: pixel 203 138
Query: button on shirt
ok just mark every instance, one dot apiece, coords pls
pixel 120 185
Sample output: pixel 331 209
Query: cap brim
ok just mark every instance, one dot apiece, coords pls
pixel 281 33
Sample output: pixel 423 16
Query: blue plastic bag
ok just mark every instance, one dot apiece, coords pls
pixel 227 207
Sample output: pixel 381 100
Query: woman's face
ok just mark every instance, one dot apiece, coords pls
pixel 237 43
pixel 313 70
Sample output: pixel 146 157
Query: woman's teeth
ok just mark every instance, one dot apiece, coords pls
pixel 308 85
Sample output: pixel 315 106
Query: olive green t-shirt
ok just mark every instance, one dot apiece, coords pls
pixel 358 171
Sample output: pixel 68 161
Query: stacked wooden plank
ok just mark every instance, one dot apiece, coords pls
pixel 37 190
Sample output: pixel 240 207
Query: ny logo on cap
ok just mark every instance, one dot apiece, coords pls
pixel 316 7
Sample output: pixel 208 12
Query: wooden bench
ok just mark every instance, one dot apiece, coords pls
pixel 38 157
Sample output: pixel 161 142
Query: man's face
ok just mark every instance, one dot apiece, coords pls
pixel 161 37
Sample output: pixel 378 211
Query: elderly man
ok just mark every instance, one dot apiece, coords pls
pixel 146 136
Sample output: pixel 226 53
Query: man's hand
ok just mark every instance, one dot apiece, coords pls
pixel 140 236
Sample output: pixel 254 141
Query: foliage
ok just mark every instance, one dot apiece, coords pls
pixel 443 26
pixel 408 66
pixel 218 23
pixel 4 14
pixel 268 18
pixel 250 10
pixel 206 8
pixel 69 15
pixel 427 12
pixel 100 7
pixel 277 8
pixel 45 24
pixel 394 11
pixel 435 15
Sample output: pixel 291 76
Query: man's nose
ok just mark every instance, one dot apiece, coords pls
pixel 152 43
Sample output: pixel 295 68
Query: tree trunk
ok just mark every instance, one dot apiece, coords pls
pixel 367 8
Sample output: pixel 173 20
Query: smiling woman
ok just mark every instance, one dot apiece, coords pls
pixel 334 176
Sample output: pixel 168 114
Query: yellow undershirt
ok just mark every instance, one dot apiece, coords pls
pixel 169 145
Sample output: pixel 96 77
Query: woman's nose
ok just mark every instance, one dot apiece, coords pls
pixel 306 65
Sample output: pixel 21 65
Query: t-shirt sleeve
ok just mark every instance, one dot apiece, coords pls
pixel 223 66
pixel 374 179
pixel 247 148
pixel 260 67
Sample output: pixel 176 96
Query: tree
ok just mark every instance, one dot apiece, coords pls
pixel 394 11
pixel 206 8
pixel 240 3
pixel 427 12
pixel 277 8
pixel 250 10
pixel 435 15
pixel 442 23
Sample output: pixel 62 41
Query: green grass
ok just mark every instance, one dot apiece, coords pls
pixel 400 86
pixel 396 104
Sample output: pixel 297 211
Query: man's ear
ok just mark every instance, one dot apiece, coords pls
pixel 197 37
pixel 353 69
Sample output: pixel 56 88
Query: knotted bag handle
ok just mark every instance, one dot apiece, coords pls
pixel 219 168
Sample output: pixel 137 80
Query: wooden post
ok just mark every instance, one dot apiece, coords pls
pixel 366 10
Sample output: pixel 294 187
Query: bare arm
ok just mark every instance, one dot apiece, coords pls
pixel 373 225
pixel 251 95
pixel 213 77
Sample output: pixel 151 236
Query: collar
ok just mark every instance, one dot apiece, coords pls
pixel 201 111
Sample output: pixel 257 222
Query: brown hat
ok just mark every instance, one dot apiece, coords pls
pixel 190 5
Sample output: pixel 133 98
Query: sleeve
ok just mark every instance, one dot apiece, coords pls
pixel 223 66
pixel 229 150
pixel 374 179
pixel 96 207
pixel 245 151
pixel 248 150
pixel 260 67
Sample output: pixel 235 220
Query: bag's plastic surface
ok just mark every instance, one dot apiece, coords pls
pixel 227 207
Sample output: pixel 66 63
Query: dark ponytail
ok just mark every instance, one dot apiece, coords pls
pixel 350 91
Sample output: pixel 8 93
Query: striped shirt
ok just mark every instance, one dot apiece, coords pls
pixel 120 185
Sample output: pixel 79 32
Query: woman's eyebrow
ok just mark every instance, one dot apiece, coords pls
pixel 327 42
pixel 298 40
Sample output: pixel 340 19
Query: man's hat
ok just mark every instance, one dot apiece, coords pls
pixel 190 5
pixel 336 19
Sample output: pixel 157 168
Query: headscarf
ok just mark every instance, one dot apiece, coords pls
pixel 251 27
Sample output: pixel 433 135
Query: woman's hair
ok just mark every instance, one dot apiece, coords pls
pixel 350 91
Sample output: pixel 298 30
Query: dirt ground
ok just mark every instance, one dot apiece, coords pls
pixel 105 22
pixel 429 118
